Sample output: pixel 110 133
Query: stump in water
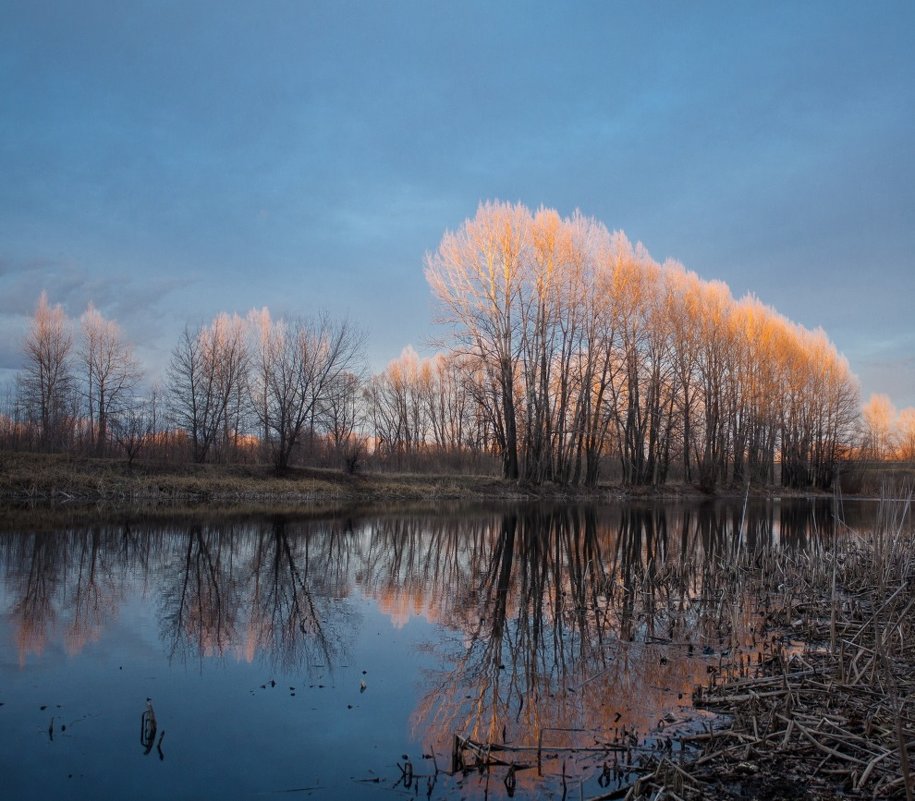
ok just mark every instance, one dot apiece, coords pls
pixel 148 727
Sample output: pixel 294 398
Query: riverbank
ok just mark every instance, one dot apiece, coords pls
pixel 44 478
pixel 26 477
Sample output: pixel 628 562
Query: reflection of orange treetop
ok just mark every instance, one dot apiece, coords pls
pixel 67 581
pixel 560 635
pixel 552 596
pixel 401 605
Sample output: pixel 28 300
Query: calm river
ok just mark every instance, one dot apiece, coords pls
pixel 287 657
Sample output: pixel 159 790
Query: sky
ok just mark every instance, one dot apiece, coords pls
pixel 170 160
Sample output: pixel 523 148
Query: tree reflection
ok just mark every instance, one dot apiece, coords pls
pixel 586 623
pixel 33 611
pixel 95 588
pixel 274 591
pixel 199 605
pixel 553 618
pixel 293 616
pixel 263 591
pixel 68 580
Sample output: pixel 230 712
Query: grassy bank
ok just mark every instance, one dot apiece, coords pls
pixel 32 477
pixel 53 477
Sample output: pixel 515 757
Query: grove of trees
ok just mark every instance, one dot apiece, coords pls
pixel 67 396
pixel 567 355
pixel 582 345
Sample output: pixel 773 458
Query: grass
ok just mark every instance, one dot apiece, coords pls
pixel 32 477
pixel 43 478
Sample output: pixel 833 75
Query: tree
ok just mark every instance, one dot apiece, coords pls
pixel 111 372
pixel 342 419
pixel 905 429
pixel 877 419
pixel 399 398
pixel 134 427
pixel 300 367
pixel 477 273
pixel 265 338
pixel 343 412
pixel 47 382
pixel 450 406
pixel 582 345
pixel 206 378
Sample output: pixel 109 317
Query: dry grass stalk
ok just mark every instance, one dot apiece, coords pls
pixel 830 708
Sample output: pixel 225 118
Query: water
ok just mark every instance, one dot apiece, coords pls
pixel 289 657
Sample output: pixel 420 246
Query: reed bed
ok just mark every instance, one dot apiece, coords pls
pixel 810 666
pixel 822 705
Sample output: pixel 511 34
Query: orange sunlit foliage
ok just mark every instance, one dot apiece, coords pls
pixel 878 417
pixel 589 348
pixel 886 434
pixel 572 354
pixel 905 434
pixel 425 406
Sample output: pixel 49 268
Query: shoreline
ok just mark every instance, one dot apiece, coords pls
pixel 45 479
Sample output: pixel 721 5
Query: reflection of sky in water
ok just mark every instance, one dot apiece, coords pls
pixel 410 601
pixel 225 736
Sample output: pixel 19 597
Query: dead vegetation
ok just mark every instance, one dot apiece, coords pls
pixel 810 690
pixel 62 478
pixel 826 708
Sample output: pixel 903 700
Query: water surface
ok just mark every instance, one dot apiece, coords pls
pixel 287 657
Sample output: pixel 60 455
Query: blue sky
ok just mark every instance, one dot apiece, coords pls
pixel 169 160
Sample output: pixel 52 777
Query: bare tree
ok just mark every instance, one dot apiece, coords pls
pixel 343 411
pixel 134 426
pixel 450 403
pixel 205 377
pixel 477 273
pixel 47 382
pixel 905 427
pixel 265 339
pixel 111 372
pixel 398 400
pixel 584 346
pixel 878 417
pixel 300 367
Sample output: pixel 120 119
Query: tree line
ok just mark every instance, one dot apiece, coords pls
pixel 567 353
pixel 236 388
pixel 585 345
